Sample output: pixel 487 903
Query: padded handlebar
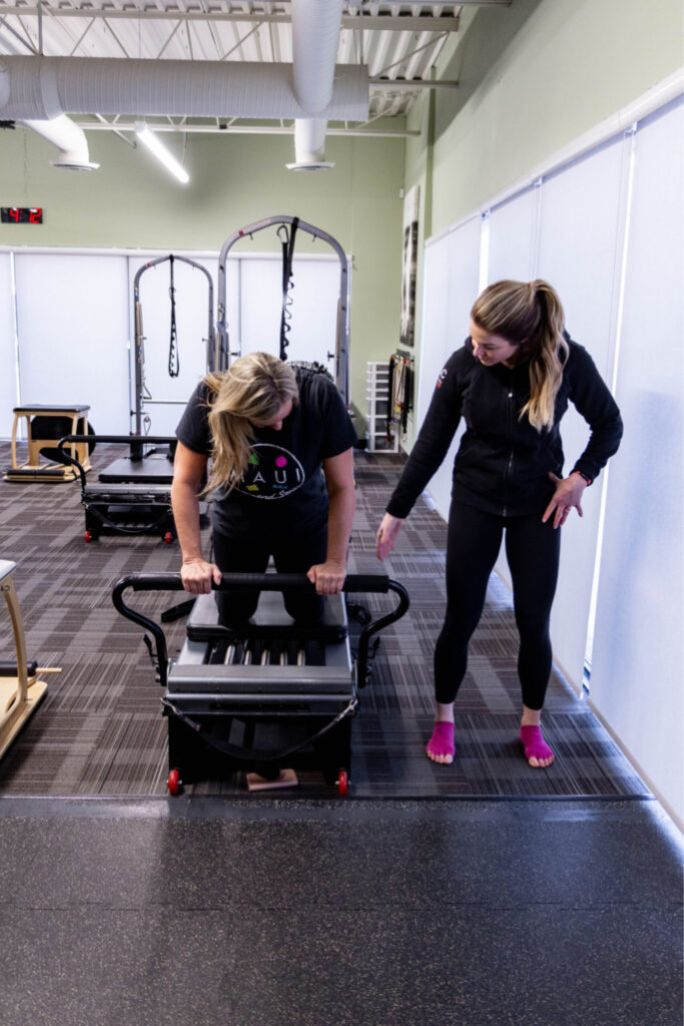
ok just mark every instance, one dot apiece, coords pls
pixel 378 583
pixel 264 582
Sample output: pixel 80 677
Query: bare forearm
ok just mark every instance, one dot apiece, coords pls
pixel 340 521
pixel 185 505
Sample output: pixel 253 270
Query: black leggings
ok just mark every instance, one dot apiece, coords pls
pixel 533 549
pixel 293 554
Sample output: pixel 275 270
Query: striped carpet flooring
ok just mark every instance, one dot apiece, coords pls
pixel 99 732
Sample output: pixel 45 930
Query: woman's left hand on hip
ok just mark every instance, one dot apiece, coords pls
pixel 567 496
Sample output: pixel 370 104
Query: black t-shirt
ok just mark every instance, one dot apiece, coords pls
pixel 284 487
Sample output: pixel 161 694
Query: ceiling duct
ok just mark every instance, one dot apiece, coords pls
pixel 41 88
pixel 69 139
pixel 315 40
pixel 310 145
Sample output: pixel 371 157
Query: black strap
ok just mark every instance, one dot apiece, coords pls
pixel 287 239
pixel 174 362
pixel 254 754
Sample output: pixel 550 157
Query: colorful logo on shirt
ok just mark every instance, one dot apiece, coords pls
pixel 442 376
pixel 272 472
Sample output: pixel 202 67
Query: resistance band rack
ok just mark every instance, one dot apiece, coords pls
pixel 146 463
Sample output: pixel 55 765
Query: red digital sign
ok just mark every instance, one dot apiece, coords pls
pixel 21 215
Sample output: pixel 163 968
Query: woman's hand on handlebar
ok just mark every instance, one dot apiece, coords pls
pixel 328 577
pixel 387 535
pixel 197 576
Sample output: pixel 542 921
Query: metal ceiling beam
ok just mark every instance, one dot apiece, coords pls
pixel 379 22
pixel 236 129
pixel 28 44
pixel 390 84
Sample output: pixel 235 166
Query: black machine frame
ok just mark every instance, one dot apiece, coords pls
pixel 318 699
pixel 123 507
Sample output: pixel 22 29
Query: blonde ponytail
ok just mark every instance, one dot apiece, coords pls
pixel 529 315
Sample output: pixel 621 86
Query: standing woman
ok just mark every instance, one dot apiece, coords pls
pixel 281 477
pixel 511 382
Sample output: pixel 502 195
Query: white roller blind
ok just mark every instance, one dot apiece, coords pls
pixel 8 388
pixel 580 244
pixel 513 237
pixel 313 311
pixel 513 234
pixel 637 680
pixel 72 314
pixel 451 274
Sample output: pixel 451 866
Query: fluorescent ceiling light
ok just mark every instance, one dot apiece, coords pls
pixel 156 146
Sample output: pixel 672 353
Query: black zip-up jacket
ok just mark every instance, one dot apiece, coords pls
pixel 502 465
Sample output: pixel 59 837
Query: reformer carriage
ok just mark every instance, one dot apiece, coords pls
pixel 269 697
pixel 133 507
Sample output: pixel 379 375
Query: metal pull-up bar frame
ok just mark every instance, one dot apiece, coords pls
pixel 342 323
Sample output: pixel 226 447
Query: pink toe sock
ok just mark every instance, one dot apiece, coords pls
pixel 534 744
pixel 442 740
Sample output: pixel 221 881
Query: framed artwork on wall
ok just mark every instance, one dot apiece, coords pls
pixel 410 266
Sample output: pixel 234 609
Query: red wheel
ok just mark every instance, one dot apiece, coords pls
pixel 167 538
pixel 343 783
pixel 174 783
pixel 87 537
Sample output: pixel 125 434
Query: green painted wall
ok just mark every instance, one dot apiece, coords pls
pixel 532 77
pixel 132 203
pixel 569 64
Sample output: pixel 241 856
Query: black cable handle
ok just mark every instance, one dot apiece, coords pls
pixel 174 361
pixel 287 239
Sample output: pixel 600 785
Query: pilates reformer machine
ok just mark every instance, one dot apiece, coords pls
pixel 132 495
pixel 270 697
pixel 126 507
pixel 20 689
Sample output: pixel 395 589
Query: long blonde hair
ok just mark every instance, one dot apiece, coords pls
pixel 530 316
pixel 251 392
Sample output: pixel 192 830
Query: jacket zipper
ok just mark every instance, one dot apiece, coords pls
pixel 509 464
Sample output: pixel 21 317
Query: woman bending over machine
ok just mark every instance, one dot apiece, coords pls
pixel 269 429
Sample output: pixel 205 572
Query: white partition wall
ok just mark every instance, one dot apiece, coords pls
pixel 451 274
pixel 72 321
pixel 637 679
pixel 75 327
pixel 579 253
pixel 513 230
pixel 512 253
pixel 314 298
pixel 192 325
pixel 606 229
pixel 8 378
pixel 568 229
